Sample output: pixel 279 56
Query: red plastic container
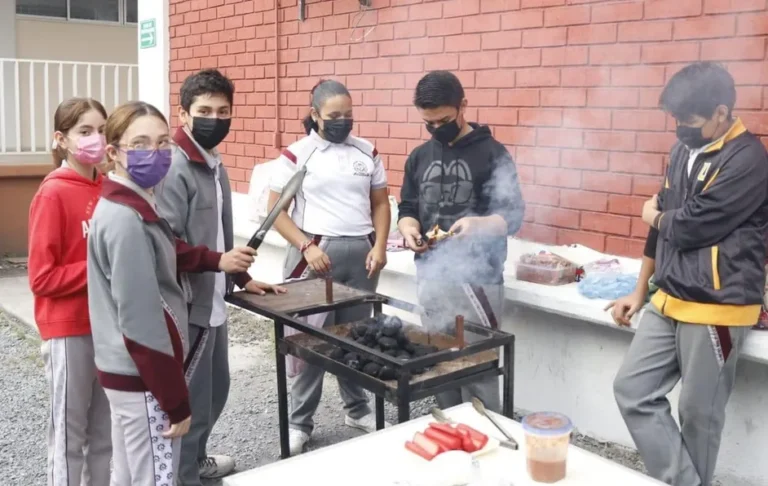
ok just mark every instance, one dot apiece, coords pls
pixel 545 269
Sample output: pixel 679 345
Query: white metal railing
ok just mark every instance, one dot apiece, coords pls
pixel 31 89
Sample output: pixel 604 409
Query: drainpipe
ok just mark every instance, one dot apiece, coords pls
pixel 276 135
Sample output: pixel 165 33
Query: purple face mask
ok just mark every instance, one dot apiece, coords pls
pixel 148 167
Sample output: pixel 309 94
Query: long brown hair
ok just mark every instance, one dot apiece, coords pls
pixel 124 115
pixel 66 117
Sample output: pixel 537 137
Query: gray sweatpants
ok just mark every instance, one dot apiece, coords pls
pixel 347 257
pixel 208 378
pixel 142 456
pixel 481 304
pixel 662 352
pixel 79 432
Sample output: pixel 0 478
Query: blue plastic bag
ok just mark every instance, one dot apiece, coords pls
pixel 608 286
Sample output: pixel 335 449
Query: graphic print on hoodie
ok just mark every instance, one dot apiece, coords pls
pixel 442 184
pixel 59 219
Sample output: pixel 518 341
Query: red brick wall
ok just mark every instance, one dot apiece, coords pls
pixel 570 86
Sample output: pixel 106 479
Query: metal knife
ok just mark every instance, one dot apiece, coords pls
pixel 289 191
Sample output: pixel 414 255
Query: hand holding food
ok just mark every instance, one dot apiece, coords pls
pixel 436 235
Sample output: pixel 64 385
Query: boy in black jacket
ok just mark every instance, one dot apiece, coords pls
pixel 464 182
pixel 706 251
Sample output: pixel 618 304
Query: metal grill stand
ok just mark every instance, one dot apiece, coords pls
pixel 459 361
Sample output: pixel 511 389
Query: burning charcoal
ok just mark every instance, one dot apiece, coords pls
pixel 371 333
pixel 351 357
pixel 360 329
pixel 391 352
pixel 388 343
pixel 337 354
pixel 391 326
pixel 387 373
pixel 371 369
pixel 395 321
pixel 402 354
pixel 354 364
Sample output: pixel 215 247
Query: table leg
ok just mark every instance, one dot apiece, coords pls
pixel 282 392
pixel 404 398
pixel 379 412
pixel 508 400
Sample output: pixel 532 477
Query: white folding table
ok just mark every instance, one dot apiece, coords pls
pixel 380 459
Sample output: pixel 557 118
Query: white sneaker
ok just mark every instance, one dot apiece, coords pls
pixel 296 441
pixel 366 423
pixel 214 467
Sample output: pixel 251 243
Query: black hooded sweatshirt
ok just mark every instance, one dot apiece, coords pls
pixel 474 177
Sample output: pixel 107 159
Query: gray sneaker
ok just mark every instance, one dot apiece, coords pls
pixel 214 467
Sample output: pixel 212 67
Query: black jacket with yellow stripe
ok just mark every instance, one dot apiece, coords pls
pixel 710 237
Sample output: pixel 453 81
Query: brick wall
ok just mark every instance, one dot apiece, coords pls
pixel 570 86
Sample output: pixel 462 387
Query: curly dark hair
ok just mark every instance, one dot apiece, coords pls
pixel 206 82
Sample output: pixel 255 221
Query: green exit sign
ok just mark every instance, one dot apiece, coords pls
pixel 147 34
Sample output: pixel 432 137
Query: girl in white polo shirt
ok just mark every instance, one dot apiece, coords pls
pixel 339 225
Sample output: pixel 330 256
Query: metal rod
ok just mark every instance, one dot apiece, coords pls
pixel 329 290
pixel 282 392
pixel 508 392
pixel 379 412
pixel 404 398
pixel 460 332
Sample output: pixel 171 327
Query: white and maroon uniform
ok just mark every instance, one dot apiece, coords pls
pixel 333 208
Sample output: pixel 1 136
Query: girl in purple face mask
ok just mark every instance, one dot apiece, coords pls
pixel 142 155
pixel 136 301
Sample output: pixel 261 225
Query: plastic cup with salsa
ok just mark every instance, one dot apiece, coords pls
pixel 547 436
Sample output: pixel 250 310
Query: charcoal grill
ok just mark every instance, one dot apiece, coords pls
pixel 456 363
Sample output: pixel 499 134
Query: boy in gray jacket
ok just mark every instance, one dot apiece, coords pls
pixel 196 199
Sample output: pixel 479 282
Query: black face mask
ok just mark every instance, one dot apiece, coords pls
pixel 445 133
pixel 336 131
pixel 691 137
pixel 209 132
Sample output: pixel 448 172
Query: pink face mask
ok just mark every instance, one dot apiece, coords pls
pixel 91 149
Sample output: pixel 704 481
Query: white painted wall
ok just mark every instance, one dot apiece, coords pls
pixel 154 63
pixel 61 40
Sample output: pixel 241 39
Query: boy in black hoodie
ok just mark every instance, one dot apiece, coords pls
pixel 465 182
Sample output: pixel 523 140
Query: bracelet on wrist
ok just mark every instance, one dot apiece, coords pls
pixel 305 246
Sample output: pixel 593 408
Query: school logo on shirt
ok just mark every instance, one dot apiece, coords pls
pixel 360 169
pixel 704 171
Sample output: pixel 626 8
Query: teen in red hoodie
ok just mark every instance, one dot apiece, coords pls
pixel 58 232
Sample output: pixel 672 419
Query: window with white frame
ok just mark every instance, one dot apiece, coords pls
pixel 116 11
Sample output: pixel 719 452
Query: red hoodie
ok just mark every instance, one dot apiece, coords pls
pixel 58 239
